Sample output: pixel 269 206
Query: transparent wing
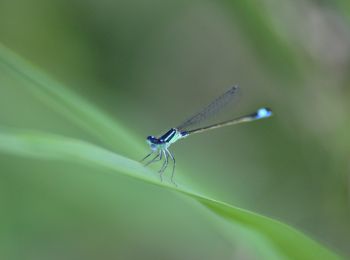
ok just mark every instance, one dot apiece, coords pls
pixel 210 110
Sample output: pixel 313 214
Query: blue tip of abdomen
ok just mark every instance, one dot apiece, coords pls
pixel 263 113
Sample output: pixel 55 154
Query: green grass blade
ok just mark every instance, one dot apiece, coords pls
pixel 286 240
pixel 68 104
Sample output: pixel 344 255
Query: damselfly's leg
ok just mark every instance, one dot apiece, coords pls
pixel 174 164
pixel 157 158
pixel 148 155
pixel 165 164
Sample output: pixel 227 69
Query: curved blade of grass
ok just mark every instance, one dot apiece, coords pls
pixel 65 102
pixel 288 241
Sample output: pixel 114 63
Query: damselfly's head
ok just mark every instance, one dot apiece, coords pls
pixel 152 141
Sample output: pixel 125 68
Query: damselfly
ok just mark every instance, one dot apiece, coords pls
pixel 160 145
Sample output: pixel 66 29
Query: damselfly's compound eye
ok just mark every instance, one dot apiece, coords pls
pixel 152 141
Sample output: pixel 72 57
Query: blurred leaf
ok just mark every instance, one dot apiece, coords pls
pixel 274 51
pixel 287 241
pixel 68 104
pixel 344 7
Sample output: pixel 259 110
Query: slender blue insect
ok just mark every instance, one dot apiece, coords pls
pixel 160 145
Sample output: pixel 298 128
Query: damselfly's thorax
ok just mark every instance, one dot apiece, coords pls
pixel 165 140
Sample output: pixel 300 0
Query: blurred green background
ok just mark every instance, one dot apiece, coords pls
pixel 149 65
